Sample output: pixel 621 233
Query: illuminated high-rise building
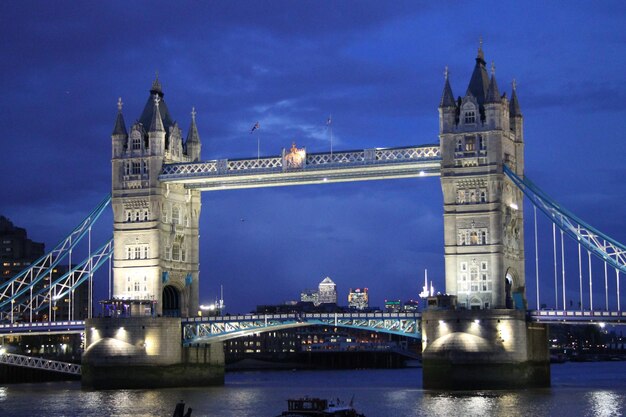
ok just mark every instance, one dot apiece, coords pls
pixel 327 292
pixel 358 299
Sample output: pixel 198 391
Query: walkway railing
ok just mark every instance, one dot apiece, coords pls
pixel 298 161
pixel 39 363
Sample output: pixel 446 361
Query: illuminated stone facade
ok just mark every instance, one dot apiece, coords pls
pixel 155 224
pixel 483 211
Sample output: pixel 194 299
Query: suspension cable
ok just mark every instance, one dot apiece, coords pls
pixel 536 259
pixel 563 269
pixel 580 276
pixel 606 285
pixel 556 285
pixel 590 284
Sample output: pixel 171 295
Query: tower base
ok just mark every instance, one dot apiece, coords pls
pixel 146 352
pixel 483 349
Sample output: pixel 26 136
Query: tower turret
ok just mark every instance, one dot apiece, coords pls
pixel 493 109
pixel 447 107
pixel 193 145
pixel 119 136
pixel 156 132
pixel 515 114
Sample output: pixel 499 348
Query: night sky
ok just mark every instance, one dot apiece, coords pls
pixel 376 66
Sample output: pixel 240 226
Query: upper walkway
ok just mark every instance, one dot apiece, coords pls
pixel 296 167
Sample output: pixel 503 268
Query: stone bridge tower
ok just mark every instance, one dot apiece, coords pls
pixel 155 226
pixel 483 210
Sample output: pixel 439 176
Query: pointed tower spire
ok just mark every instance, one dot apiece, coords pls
pixel 447 98
pixel 156 85
pixel 514 109
pixel 156 125
pixel 493 94
pixel 192 135
pixel 193 145
pixel 120 126
pixel 479 83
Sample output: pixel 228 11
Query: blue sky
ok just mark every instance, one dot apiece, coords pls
pixel 377 67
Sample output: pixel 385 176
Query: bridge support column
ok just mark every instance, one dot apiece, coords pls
pixel 483 349
pixel 146 352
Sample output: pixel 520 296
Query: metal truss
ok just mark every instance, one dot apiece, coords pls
pixel 604 247
pixel 24 281
pixel 216 329
pixel 313 168
pixel 34 299
pixel 39 363
pixel 577 317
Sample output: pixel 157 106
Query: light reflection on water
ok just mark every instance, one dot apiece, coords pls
pixel 606 403
pixel 578 389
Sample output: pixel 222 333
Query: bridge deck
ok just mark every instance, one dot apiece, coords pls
pixel 575 316
pixel 299 168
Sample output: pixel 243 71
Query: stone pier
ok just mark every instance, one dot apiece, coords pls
pixel 146 352
pixel 483 349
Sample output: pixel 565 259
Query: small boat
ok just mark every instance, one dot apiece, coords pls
pixel 179 410
pixel 318 407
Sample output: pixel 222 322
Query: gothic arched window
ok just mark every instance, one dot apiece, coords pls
pixel 175 252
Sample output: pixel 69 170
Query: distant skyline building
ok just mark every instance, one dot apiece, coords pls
pixel 393 306
pixel 358 299
pixel 309 296
pixel 327 292
pixel 17 251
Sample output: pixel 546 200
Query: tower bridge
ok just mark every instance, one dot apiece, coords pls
pixel 157 178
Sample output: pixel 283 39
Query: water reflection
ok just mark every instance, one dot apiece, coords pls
pixel 480 403
pixel 606 403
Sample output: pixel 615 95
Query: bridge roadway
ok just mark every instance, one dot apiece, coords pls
pixel 203 329
pixel 297 167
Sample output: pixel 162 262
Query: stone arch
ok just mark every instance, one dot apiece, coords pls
pixel 476 303
pixel 510 285
pixel 172 302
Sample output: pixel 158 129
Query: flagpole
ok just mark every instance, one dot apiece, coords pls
pixel 258 145
pixel 329 123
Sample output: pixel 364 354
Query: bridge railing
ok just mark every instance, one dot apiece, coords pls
pixel 303 161
pixel 572 316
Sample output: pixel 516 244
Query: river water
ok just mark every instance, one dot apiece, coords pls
pixel 578 389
